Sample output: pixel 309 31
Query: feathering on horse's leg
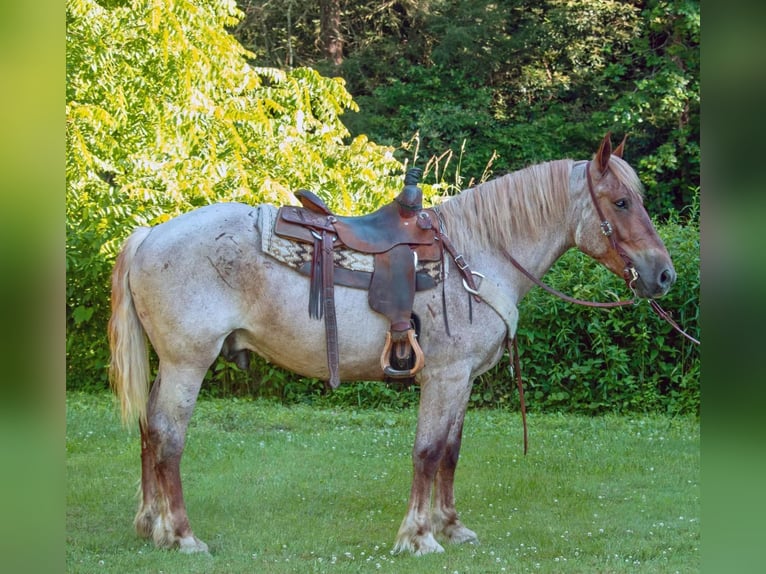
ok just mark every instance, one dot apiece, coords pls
pixel 415 534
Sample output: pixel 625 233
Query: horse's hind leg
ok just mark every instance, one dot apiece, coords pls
pixel 162 513
pixel 147 512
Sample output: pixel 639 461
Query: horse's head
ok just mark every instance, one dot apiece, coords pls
pixel 619 233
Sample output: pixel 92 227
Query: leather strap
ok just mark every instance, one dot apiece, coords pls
pixel 316 296
pixel 629 273
pixel 513 351
pixel 665 315
pixel 458 258
pixel 330 320
pixel 559 294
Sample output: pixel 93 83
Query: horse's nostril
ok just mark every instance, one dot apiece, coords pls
pixel 667 277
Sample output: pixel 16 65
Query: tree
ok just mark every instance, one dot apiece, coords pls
pixel 164 114
pixel 529 79
pixel 332 41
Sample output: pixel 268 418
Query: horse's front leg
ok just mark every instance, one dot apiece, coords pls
pixel 415 534
pixel 442 404
pixel 162 514
pixel 444 516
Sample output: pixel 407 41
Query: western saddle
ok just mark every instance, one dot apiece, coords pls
pixel 398 236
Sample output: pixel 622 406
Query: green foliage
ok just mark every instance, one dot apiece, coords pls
pixel 163 115
pixel 659 104
pixel 581 68
pixel 528 80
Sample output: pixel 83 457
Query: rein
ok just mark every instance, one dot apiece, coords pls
pixel 629 275
pixel 652 302
pixel 559 294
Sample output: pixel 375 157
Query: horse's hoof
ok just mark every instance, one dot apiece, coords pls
pixel 427 545
pixel 459 534
pixel 418 545
pixel 192 545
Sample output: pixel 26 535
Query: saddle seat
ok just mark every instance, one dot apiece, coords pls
pixel 378 231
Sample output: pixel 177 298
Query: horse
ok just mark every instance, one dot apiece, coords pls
pixel 200 284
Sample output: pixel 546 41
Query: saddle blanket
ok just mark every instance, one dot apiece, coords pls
pixel 296 254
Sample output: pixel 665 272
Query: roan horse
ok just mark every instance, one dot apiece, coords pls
pixel 200 284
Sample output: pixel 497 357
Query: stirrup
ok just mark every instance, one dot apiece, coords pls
pixel 385 360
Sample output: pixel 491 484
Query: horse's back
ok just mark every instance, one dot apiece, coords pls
pixel 200 226
pixel 208 245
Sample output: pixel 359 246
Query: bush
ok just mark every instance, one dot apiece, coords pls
pixel 164 115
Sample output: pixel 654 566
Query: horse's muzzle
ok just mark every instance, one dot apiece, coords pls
pixel 655 281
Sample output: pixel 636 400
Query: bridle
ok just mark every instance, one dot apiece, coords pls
pixel 630 275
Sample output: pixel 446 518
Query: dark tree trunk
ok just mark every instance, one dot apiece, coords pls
pixel 332 42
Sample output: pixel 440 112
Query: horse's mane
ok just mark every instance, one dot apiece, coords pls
pixel 526 199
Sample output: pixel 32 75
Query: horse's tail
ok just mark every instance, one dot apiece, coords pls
pixel 129 367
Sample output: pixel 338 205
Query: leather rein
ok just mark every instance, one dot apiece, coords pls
pixel 629 275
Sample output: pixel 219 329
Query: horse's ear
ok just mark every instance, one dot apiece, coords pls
pixel 604 153
pixel 620 148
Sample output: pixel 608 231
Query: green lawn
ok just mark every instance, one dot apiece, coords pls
pixel 294 489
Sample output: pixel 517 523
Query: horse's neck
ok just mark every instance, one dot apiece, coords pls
pixel 538 257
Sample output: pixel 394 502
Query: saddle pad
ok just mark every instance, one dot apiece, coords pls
pixel 296 254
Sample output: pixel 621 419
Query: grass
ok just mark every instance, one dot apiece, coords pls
pixel 294 489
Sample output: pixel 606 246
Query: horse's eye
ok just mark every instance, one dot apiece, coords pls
pixel 621 204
